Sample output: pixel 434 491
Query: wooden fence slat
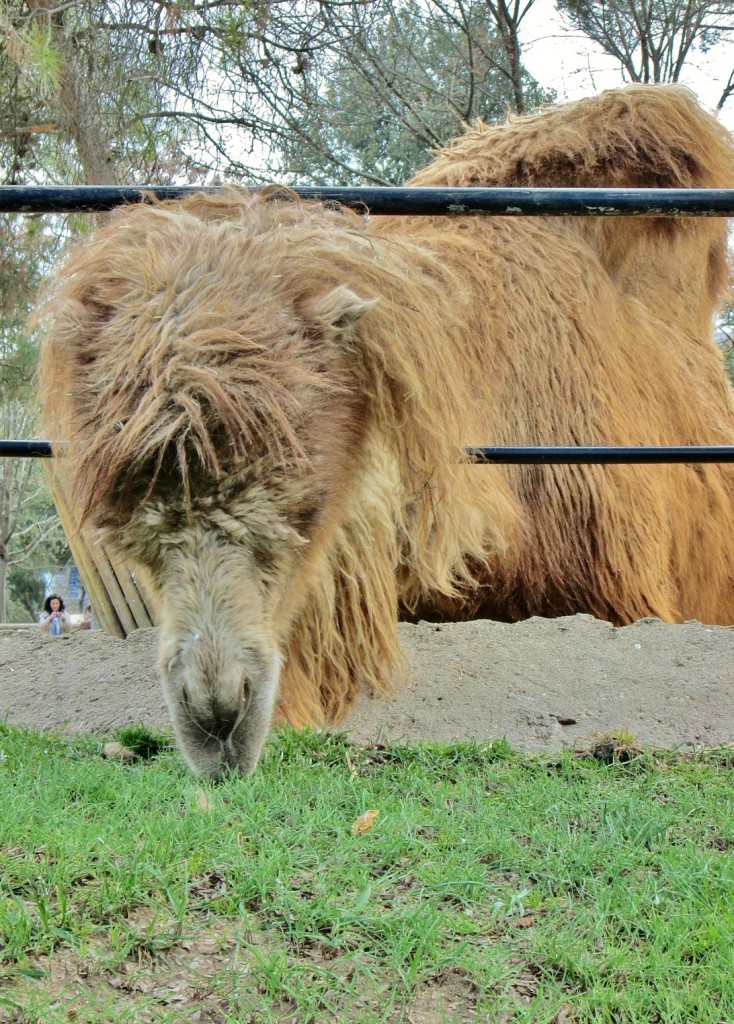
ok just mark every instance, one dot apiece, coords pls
pixel 119 607
pixel 137 593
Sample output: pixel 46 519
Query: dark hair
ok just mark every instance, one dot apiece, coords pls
pixel 49 599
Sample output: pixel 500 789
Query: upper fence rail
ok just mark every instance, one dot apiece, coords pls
pixel 497 202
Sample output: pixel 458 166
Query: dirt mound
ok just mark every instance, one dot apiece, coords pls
pixel 541 683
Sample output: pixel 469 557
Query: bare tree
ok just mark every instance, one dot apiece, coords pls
pixel 508 18
pixel 726 92
pixel 653 39
pixel 364 91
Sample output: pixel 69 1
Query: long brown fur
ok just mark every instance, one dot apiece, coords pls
pixel 217 362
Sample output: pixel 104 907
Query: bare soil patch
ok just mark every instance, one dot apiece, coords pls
pixel 543 683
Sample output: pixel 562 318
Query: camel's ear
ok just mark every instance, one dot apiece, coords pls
pixel 337 311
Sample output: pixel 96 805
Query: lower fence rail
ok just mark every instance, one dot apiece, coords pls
pixel 508 455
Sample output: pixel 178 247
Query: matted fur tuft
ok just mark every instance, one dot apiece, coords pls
pixel 213 362
pixel 165 372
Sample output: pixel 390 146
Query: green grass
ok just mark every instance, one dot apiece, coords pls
pixel 493 886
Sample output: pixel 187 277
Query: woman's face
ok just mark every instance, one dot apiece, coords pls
pixel 55 604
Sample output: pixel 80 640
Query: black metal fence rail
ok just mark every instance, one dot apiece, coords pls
pixel 498 202
pixel 558 455
pixel 600 455
pixel 26 450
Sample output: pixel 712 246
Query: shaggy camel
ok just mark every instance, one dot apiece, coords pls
pixel 267 404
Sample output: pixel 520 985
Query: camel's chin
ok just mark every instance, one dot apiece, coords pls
pixel 213 759
pixel 221 729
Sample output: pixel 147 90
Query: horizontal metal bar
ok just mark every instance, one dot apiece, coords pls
pixel 503 202
pixel 601 455
pixel 25 450
pixel 506 455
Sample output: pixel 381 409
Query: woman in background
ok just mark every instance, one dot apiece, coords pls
pixel 54 620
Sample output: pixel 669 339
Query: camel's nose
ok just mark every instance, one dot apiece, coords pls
pixel 225 719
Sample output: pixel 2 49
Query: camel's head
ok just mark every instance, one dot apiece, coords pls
pixel 202 360
pixel 232 554
pixel 222 636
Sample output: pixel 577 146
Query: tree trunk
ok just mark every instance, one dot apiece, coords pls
pixel 3 582
pixel 79 101
pixel 85 123
pixel 5 531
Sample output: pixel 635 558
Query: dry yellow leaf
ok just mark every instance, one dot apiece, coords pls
pixel 365 822
pixel 203 801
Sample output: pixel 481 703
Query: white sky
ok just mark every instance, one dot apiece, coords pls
pixel 570 64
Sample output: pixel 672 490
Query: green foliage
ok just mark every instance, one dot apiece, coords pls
pixel 26 593
pixel 28 245
pixel 39 58
pixel 38 548
pixel 31 538
pixel 28 523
